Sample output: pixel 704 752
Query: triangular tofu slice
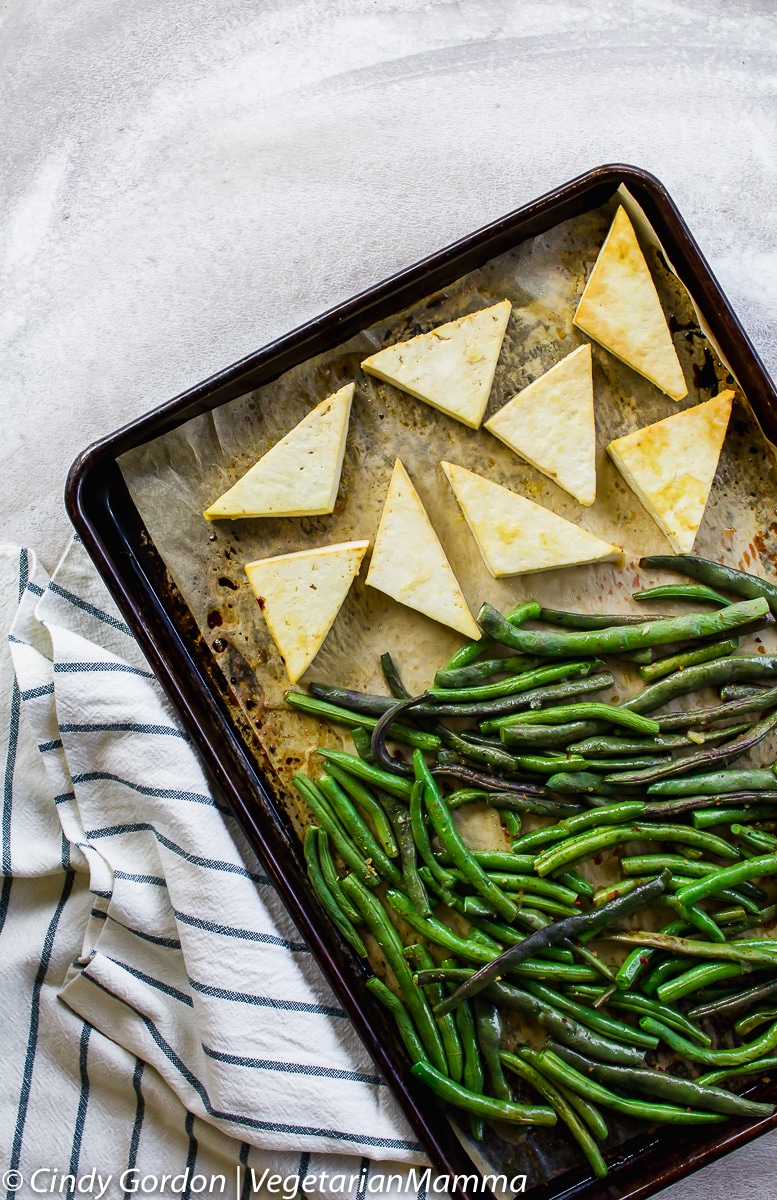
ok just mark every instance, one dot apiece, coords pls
pixel 620 309
pixel 409 564
pixel 452 367
pixel 300 475
pixel 515 535
pixel 671 465
pixel 551 424
pixel 301 594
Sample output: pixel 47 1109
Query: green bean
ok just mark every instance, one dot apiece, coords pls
pixel 586 783
pixel 695 916
pixel 363 744
pixel 688 658
pixel 362 837
pixel 682 591
pixel 708 818
pixel 368 773
pixel 366 801
pixel 757 838
pixel 587 845
pixel 452 842
pixel 619 638
pixel 765 915
pixel 507 936
pixel 476 906
pixel 561 1072
pixel 563 1027
pixel 759 951
pixel 420 958
pixel 713 1058
pixel 559 931
pixel 646 864
pixel 768 1063
pixel 493 714
pixel 407 1030
pixel 539 887
pixel 594 1020
pixel 473 1067
pixel 610 814
pixel 510 822
pixel 326 820
pixel 515 684
pixel 399 816
pixel 588 621
pixel 327 900
pixel 469 676
pixel 747 1024
pixel 331 878
pixel 715 575
pixel 742 691
pixel 597 746
pixel 421 836
pixel 549 766
pixel 693 718
pixel 496 860
pixel 588 1111
pixel 343 716
pixel 437 932
pixel 682 1092
pixel 634 1002
pixel 376 919
pixel 753 868
pixel 604 895
pixel 709 674
pixel 698 977
pixel 513 799
pixel 553 736
pixel 701 758
pixel 732 915
pixel 575 882
pixel 491 754
pixel 471 651
pixel 638 657
pixel 717 783
pixel 588 710
pixel 484 1106
pixel 607 765
pixel 489 1026
pixel 393 678
pixel 525 1069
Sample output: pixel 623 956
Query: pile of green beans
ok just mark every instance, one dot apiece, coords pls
pixel 475 946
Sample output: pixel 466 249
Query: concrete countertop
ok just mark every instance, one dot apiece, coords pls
pixel 183 180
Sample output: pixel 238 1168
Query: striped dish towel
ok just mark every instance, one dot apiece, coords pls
pixel 156 981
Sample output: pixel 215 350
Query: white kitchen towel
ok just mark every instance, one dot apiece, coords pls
pixel 156 924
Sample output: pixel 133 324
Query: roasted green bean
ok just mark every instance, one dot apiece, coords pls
pixel 618 638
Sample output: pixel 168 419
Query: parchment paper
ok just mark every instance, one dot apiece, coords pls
pixel 173 479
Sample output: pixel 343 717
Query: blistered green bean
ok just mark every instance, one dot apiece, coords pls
pixel 618 638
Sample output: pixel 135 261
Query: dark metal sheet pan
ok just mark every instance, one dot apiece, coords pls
pixel 113 532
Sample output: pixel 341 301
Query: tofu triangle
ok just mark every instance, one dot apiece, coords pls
pixel 301 594
pixel 299 476
pixel 671 466
pixel 409 563
pixel 551 424
pixel 452 367
pixel 517 536
pixel 621 310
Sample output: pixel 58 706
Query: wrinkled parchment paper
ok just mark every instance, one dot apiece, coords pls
pixel 174 478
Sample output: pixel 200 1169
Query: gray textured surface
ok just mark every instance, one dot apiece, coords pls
pixel 181 181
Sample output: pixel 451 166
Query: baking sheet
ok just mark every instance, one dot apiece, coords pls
pixel 173 478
